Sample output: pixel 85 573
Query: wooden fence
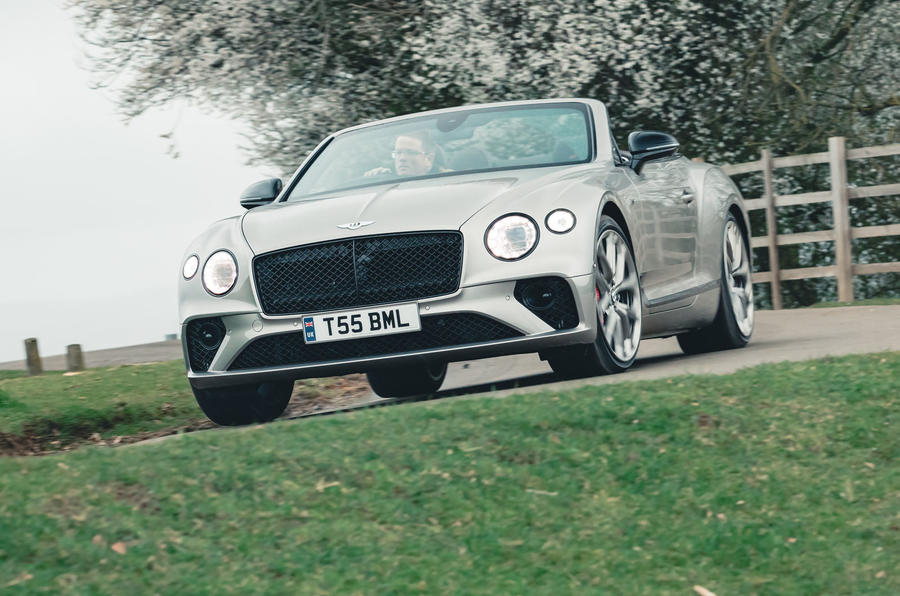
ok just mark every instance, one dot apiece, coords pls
pixel 839 195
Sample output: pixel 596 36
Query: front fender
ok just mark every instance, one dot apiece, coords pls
pixel 584 192
pixel 193 299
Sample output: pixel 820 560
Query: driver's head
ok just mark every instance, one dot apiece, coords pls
pixel 413 154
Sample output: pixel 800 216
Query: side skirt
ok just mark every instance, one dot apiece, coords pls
pixel 672 300
pixel 684 311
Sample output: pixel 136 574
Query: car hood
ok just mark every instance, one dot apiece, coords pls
pixel 437 204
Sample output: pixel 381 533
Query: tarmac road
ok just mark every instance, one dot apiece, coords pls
pixel 785 335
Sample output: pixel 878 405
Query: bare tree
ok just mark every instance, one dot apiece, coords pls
pixel 727 77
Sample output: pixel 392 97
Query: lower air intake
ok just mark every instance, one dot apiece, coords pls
pixel 439 331
pixel 204 336
pixel 550 298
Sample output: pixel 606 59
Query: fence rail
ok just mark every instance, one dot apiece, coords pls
pixel 839 195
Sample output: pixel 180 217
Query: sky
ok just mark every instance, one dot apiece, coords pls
pixel 95 214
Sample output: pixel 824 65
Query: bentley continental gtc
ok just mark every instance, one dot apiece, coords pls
pixel 400 245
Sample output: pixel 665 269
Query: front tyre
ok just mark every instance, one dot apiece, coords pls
pixel 408 380
pixel 244 404
pixel 618 291
pixel 734 320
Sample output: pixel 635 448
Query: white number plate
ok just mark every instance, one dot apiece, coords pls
pixel 353 324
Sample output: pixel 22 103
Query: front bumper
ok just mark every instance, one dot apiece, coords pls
pixel 496 302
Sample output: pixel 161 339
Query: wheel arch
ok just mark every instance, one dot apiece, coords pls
pixel 735 209
pixel 611 209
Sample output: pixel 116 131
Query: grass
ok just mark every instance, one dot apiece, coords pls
pixel 780 479
pixel 867 302
pixel 114 401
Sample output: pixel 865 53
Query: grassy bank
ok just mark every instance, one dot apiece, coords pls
pixel 782 479
pixel 58 411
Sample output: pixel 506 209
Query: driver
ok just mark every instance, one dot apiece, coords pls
pixel 413 155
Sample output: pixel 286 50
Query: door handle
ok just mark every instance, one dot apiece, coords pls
pixel 687 196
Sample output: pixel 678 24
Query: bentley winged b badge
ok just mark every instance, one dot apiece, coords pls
pixel 355 225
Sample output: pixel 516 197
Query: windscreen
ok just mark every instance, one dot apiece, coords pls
pixel 460 142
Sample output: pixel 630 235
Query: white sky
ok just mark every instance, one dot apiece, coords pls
pixel 94 215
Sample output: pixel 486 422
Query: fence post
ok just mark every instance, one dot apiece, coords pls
pixel 840 205
pixel 33 357
pixel 74 358
pixel 771 227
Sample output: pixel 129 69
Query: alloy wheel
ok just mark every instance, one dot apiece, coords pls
pixel 738 277
pixel 618 295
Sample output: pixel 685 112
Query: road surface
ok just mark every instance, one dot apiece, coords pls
pixel 783 335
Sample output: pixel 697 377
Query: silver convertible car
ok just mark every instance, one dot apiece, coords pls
pixel 401 245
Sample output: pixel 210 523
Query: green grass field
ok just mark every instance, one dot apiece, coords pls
pixel 781 479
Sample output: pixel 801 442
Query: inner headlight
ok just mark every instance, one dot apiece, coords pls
pixel 560 221
pixel 219 273
pixel 511 237
pixel 190 267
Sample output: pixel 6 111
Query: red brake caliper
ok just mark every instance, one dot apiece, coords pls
pixel 597 293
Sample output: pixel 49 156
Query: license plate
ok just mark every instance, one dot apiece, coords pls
pixel 368 322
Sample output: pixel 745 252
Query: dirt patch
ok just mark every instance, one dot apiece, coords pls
pixel 32 443
pixel 315 395
pixel 12 444
pixel 42 437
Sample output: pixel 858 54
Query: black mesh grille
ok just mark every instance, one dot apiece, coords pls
pixel 200 355
pixel 561 313
pixel 437 332
pixel 358 272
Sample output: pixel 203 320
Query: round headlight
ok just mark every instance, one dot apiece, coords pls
pixel 219 273
pixel 511 237
pixel 190 267
pixel 560 221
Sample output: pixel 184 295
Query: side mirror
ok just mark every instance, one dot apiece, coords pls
pixel 648 145
pixel 261 193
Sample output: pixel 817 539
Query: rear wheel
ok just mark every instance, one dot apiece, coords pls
pixel 618 291
pixel 733 324
pixel 244 404
pixel 408 380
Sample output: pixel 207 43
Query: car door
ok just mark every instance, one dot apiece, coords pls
pixel 668 220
